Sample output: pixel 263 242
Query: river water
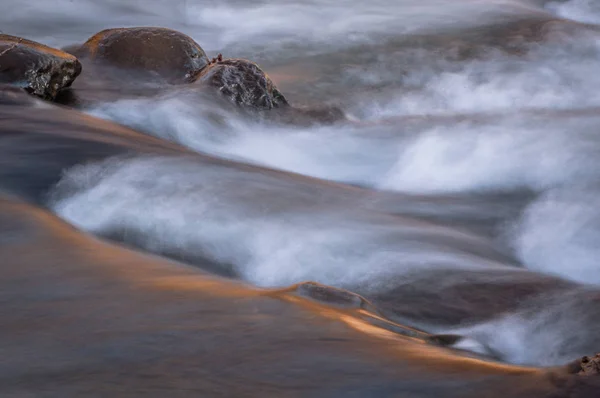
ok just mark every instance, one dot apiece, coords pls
pixel 459 195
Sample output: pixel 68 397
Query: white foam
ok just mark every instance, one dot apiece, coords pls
pixel 499 154
pixel 511 150
pixel 274 231
pixel 550 333
pixel 468 157
pixel 547 77
pixel 336 153
pixel 559 234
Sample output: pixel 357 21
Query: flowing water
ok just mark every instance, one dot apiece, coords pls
pixel 458 195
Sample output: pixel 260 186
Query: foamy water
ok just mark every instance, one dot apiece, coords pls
pixel 423 125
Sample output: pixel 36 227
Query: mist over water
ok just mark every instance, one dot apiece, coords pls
pixel 289 239
pixel 587 11
pixel 501 123
pixel 468 144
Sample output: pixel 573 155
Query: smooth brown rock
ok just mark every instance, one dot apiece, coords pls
pixel 157 54
pixel 40 70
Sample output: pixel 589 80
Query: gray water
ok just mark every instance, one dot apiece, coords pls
pixel 459 195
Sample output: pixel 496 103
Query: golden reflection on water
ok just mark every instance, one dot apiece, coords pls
pixel 415 349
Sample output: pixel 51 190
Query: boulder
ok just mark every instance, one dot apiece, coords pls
pixel 40 70
pixel 150 53
pixel 242 82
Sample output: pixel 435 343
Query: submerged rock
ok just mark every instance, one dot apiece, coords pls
pixel 151 53
pixel 310 116
pixel 40 70
pixel 590 366
pixel 242 82
pixel 11 95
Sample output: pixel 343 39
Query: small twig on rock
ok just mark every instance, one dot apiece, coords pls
pixel 219 58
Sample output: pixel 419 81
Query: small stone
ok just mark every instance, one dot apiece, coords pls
pixel 590 366
pixel 40 70
pixel 242 82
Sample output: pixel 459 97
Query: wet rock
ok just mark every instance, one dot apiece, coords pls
pixel 585 366
pixel 242 82
pixel 331 296
pixel 40 70
pixel 589 365
pixel 158 54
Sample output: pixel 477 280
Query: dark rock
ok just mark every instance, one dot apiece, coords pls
pixel 40 70
pixel 242 82
pixel 331 296
pixel 585 366
pixel 590 365
pixel 156 54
